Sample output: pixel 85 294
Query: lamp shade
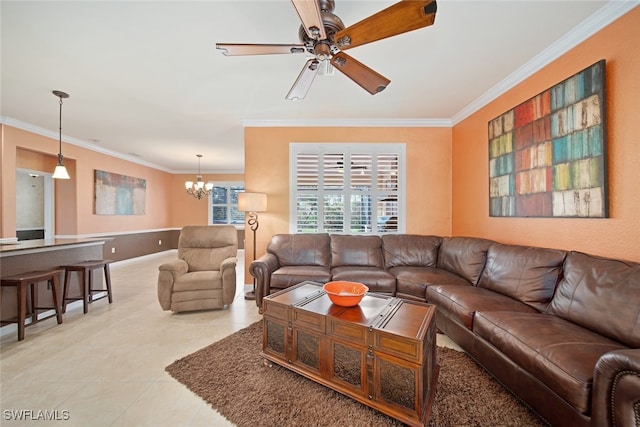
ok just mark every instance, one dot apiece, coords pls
pixel 60 173
pixel 252 202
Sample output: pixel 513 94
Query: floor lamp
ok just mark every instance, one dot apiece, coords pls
pixel 252 203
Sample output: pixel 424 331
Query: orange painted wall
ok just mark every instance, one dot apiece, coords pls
pixel 428 152
pixel 617 236
pixel 75 198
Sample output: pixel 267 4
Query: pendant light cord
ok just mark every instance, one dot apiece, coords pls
pixel 60 134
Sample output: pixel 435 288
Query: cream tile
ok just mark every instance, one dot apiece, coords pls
pixel 162 403
pixel 100 403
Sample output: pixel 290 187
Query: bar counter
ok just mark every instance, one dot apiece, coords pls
pixel 43 254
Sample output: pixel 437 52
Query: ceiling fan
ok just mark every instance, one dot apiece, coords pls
pixel 323 35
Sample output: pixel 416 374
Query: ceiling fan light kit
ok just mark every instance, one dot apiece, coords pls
pixel 323 35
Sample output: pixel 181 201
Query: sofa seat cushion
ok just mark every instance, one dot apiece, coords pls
pixel 413 281
pixel 461 302
pixel 292 275
pixel 559 353
pixel 378 280
pixel 201 299
pixel 198 280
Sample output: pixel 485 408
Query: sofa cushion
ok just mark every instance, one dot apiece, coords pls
pixel 413 281
pixel 301 249
pixel 410 250
pixel 559 353
pixel 464 256
pixel 461 302
pixel 198 280
pixel 525 273
pixel 354 250
pixel 204 248
pixel 377 279
pixel 292 275
pixel 600 294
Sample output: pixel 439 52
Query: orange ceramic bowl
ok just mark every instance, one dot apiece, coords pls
pixel 345 294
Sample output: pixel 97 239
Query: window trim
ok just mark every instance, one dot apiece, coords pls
pixel 210 202
pixel 345 148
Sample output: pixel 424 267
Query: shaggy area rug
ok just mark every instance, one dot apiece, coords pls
pixel 231 377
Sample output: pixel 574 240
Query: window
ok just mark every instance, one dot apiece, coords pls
pixel 347 188
pixel 223 204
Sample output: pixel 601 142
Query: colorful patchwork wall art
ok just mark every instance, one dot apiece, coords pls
pixel 547 156
pixel 119 194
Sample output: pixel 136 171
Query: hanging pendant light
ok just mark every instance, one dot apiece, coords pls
pixel 198 189
pixel 60 172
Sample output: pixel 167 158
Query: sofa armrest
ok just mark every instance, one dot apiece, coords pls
pixel 228 272
pixel 261 269
pixel 228 263
pixel 168 273
pixel 616 389
pixel 177 267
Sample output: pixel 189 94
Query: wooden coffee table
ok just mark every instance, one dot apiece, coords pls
pixel 381 353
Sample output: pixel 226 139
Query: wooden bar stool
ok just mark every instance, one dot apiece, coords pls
pixel 29 280
pixel 85 270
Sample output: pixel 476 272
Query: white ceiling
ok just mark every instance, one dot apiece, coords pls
pixel 144 77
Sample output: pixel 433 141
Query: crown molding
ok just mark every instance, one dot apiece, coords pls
pixel 78 142
pixel 596 22
pixel 347 123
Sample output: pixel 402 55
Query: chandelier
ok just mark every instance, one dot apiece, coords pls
pixel 198 189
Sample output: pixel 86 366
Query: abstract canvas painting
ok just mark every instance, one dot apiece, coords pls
pixel 547 156
pixel 119 194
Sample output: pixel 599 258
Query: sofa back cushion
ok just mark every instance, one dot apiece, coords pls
pixel 524 273
pixel 464 256
pixel 204 247
pixel 602 295
pixel 356 250
pixel 410 250
pixel 301 249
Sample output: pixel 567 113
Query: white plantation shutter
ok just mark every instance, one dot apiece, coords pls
pixel 347 188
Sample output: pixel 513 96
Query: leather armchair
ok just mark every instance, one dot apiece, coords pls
pixel 204 275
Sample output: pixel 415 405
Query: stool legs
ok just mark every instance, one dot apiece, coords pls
pixel 85 278
pixel 83 289
pixel 22 308
pixel 27 283
pixel 107 276
pixel 85 284
pixel 34 302
pixel 56 300
pixel 107 281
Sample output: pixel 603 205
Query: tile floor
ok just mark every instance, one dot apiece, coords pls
pixel 106 367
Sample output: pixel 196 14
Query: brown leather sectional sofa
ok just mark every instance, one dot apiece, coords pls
pixel 559 329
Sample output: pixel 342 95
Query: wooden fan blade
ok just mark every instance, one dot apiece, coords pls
pixel 303 82
pixel 404 16
pixel 370 81
pixel 258 49
pixel 309 13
